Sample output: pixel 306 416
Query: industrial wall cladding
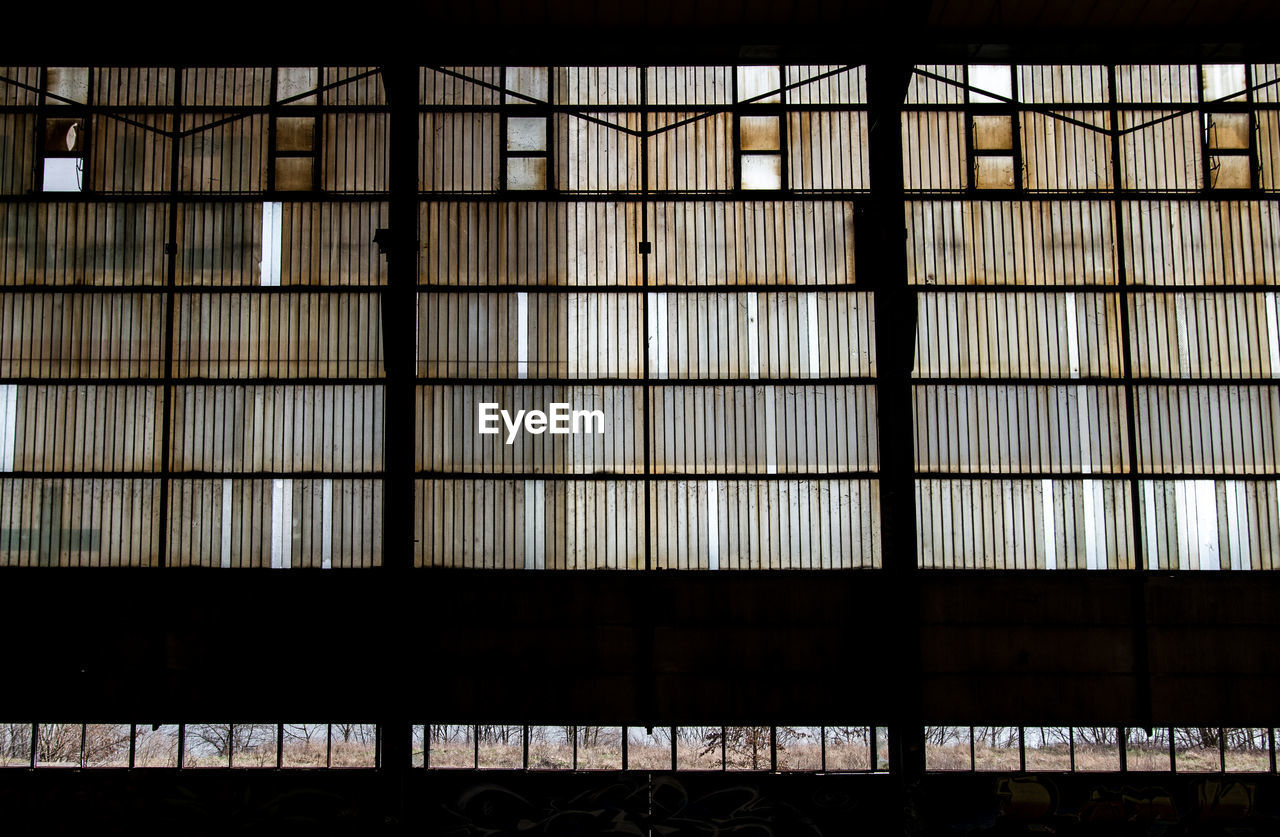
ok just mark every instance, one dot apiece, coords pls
pixel 642 339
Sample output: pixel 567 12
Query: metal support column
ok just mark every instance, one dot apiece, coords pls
pixel 882 266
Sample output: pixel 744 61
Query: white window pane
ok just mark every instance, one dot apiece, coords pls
pixel 1221 80
pixel 63 174
pixel 991 78
pixel 756 81
pixel 762 171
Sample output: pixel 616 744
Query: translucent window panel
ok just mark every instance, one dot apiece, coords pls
pixel 530 335
pixel 1202 242
pixel 500 746
pixel 63 174
pixel 699 748
pixel 526 133
pixel 690 151
pixel 67 85
pixel 1268 149
pixel 295 174
pixel 1011 242
pixel 765 524
pixel 759 84
pixel 1262 74
pixel 764 429
pixel 79 522
pixel 353 745
pixel 1013 428
pixel 827 151
pixel 761 171
pixel 530 243
pixel 18 163
pixel 760 335
pixel 58 745
pixel 15 745
pixel 226 86
pixel 322 243
pixel 254 745
pixel 1097 749
pixel 993 133
pixel 933 151
pixel 234 429
pixel 459 152
pixel 994 172
pixel 551 748
pixel 530 524
pixel 1024 524
pixel 128 158
pixel 1227 130
pixel 133 86
pixel 993 79
pixel 1047 748
pixel 354 86
pixel 1229 172
pixel 826 84
pixel 749 242
pixel 996 748
pixel 1248 750
pixel 1006 334
pixel 461 85
pixel 1196 749
pixel 1156 83
pixel 798 748
pixel 759 133
pixel 451 746
pixel 1214 335
pixel 526 83
pixel 207 745
pixel 848 749
pixel 1160 151
pixel 450 441
pixel 1143 752
pixel 83 244
pixel 1223 81
pixel 20 87
pixel 1225 429
pixel 313 522
pixel 689 85
pixel 223 157
pixel 297 85
pixel 923 90
pixel 105 335
pixel 597 85
pixel 419 746
pixel 277 335
pixel 648 750
pixel 526 173
pixel 1062 84
pixel 1210 524
pixel 948 748
pixel 354 156
pixel 599 748
pixel 305 745
pixel 85 428
pixel 591 157
pixel 1061 156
